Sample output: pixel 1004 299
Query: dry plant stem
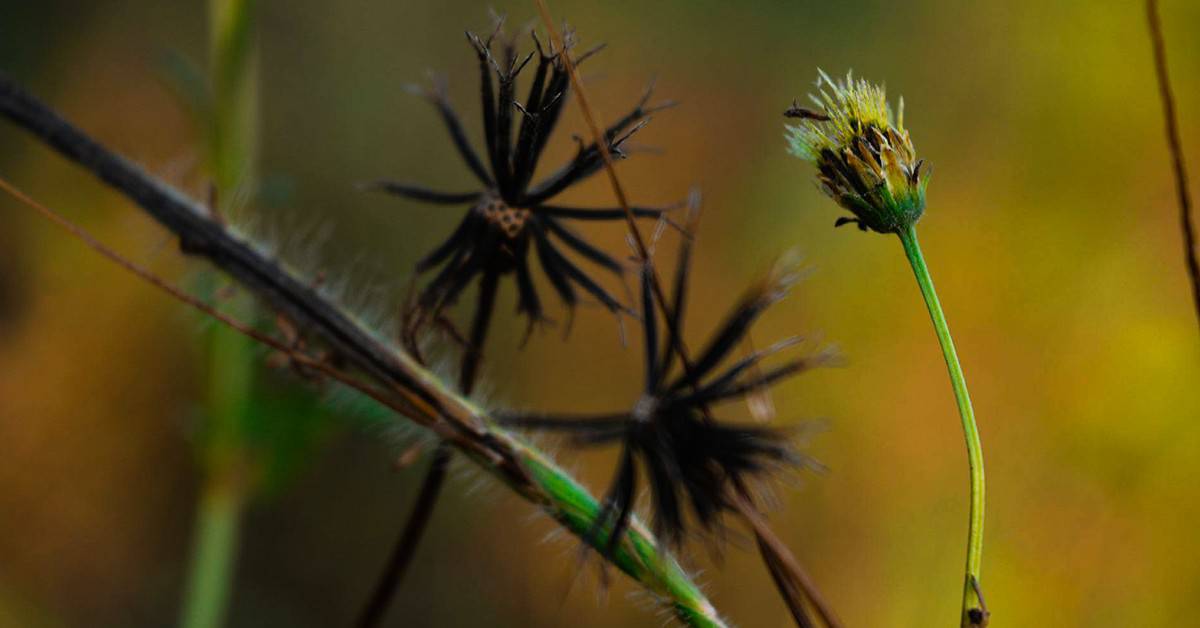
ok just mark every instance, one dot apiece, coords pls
pixel 395 378
pixel 431 486
pixel 786 571
pixel 611 172
pixel 769 543
pixel 410 538
pixel 1176 147
pixel 973 610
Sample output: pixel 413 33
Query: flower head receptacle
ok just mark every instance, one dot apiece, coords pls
pixel 865 159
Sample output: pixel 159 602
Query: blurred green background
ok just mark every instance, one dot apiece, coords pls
pixel 1051 231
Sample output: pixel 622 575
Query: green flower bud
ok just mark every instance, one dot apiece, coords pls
pixel 864 157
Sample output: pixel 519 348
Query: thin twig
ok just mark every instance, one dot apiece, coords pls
pixel 1176 147
pixel 774 552
pixel 618 190
pixel 785 569
pixel 410 538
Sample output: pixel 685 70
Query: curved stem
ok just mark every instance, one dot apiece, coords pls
pixel 974 612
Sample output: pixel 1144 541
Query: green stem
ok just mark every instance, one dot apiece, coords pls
pixel 214 549
pixel 233 131
pixel 232 148
pixel 642 558
pixel 545 484
pixel 973 613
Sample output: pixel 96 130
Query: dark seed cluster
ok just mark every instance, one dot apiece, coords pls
pixel 511 214
pixel 691 461
pixel 696 467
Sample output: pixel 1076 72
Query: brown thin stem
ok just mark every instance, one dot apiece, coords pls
pixel 610 170
pixel 779 560
pixel 1175 145
pixel 786 571
pixel 410 538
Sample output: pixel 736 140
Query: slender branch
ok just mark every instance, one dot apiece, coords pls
pixel 426 400
pixel 775 554
pixel 974 614
pixel 610 170
pixel 787 572
pixel 410 538
pixel 1175 145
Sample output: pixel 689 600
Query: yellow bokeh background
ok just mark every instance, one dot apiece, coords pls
pixel 1051 231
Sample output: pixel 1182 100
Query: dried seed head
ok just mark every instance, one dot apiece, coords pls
pixel 695 465
pixel 865 159
pixel 514 216
pixel 511 216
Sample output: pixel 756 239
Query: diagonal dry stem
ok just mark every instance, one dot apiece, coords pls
pixel 394 377
pixel 1175 145
pixel 410 537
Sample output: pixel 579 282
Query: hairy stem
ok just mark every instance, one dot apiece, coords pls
pixel 973 610
pixel 430 402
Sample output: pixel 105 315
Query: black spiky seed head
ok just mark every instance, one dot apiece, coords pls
pixel 691 461
pixel 511 214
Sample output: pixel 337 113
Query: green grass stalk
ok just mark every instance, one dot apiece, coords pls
pixel 973 610
pixel 214 555
pixel 231 150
